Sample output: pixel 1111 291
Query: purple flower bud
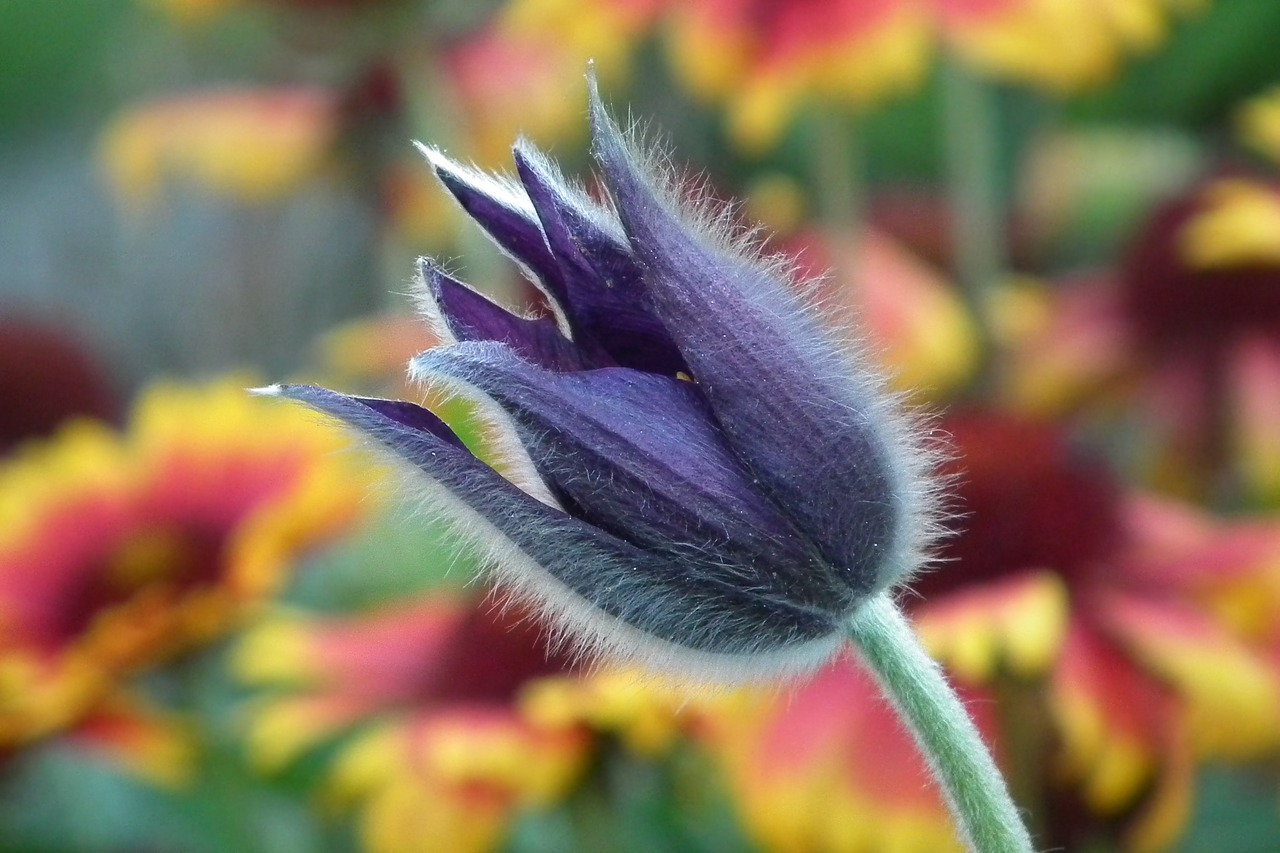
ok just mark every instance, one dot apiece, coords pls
pixel 704 476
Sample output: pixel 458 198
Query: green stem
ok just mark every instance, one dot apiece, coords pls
pixel 837 173
pixel 974 190
pixel 973 786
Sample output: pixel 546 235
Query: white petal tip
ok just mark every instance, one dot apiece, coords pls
pixel 435 157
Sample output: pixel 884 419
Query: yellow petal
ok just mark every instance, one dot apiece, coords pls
pixel 1239 226
pixel 251 145
pixel 1016 625
pixel 1259 123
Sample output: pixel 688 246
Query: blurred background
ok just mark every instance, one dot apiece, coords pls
pixel 1056 221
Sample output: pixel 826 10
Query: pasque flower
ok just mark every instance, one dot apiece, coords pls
pixel 705 475
pixel 702 475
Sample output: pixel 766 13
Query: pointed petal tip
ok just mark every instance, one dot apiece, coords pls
pixel 523 147
pixel 443 167
pixel 608 143
pixel 450 172
pixel 601 121
pixel 529 157
pixel 433 155
pixel 430 271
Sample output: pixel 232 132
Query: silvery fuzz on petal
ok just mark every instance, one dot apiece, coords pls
pixel 701 475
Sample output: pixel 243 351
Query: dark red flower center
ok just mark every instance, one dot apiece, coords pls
pixel 1026 500
pixel 1175 309
pixel 492 654
pixel 163 561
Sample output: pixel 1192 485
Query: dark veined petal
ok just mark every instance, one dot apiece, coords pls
pixel 461 314
pixel 500 207
pixel 623 598
pixel 639 456
pixel 403 427
pixel 604 300
pixel 814 429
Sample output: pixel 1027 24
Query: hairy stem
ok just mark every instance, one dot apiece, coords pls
pixel 979 799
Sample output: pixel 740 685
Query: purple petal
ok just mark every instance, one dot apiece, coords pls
pixel 604 298
pixel 398 424
pixel 639 456
pixel 582 572
pixel 814 431
pixel 469 316
pixel 502 210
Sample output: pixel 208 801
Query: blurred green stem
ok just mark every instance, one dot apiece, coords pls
pixel 974 188
pixel 979 799
pixel 838 172
pixel 1027 742
pixel 218 798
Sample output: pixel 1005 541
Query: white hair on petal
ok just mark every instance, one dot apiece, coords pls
pixel 589 633
pixel 424 299
pixel 508 192
pixel 912 451
pixel 572 191
pixel 511 458
pixel 272 390
pixel 504 189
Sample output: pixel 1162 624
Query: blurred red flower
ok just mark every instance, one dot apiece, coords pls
pixel 1059 575
pixel 118 552
pixel 442 758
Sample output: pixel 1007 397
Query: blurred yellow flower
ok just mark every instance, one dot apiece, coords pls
pixel 452 779
pixel 505 85
pixel 118 552
pixel 443 758
pixel 1062 46
pixel 1258 122
pixel 913 315
pixel 605 31
pixel 1238 225
pixel 828 767
pixel 524 74
pixel 156 746
pixel 1182 342
pixel 1060 577
pixel 252 145
pixel 648 713
pixel 765 58
pixel 192 11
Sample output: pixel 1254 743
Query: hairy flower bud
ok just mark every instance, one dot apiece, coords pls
pixel 707 478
